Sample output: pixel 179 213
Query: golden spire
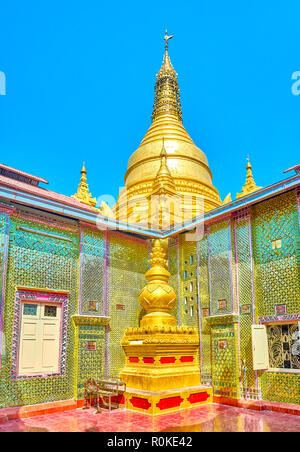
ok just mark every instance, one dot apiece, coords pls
pixel 227 199
pixel 167 99
pixel 83 195
pixel 158 297
pixel 163 181
pixel 250 185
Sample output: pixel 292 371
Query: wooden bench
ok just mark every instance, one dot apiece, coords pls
pixel 110 387
pixel 91 391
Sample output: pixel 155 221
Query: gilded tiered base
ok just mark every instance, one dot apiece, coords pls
pixel 159 402
pixel 162 372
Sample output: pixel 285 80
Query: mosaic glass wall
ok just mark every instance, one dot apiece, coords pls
pixel 277 270
pixel 245 295
pixel 41 256
pixel 207 282
pixel 92 271
pixel 225 370
pixel 220 268
pixel 277 278
pixel 128 264
pixel 3 229
pixel 188 274
pixel 281 387
pixel 204 307
pixel 90 352
pixel 3 225
pixel 174 278
pixel 188 278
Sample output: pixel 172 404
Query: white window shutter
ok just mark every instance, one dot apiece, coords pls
pixel 28 347
pixel 49 346
pixel 260 349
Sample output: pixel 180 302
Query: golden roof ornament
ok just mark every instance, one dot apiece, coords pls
pixel 167 98
pixel 83 195
pixel 163 183
pixel 166 38
pixel 227 199
pixel 250 185
pixel 163 200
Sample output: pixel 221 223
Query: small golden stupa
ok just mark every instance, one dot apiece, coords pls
pixel 162 372
pixel 186 163
pixel 250 185
pixel 83 193
pixel 163 201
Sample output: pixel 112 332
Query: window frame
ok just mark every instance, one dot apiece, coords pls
pixel 284 319
pixel 39 296
pixel 41 317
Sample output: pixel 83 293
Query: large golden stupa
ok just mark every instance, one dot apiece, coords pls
pixel 168 179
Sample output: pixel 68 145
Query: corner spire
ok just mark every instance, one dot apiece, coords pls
pixel 250 185
pixel 83 195
pixel 167 98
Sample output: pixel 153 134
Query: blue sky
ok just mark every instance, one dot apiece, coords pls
pixel 80 85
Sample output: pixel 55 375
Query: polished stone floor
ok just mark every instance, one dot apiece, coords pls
pixel 207 418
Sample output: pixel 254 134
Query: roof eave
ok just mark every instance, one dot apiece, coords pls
pixel 81 214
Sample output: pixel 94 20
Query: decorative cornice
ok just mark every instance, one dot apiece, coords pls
pixel 173 339
pixel 90 320
pixel 279 318
pixel 222 319
pixel 160 335
pixel 42 289
pixel 182 330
